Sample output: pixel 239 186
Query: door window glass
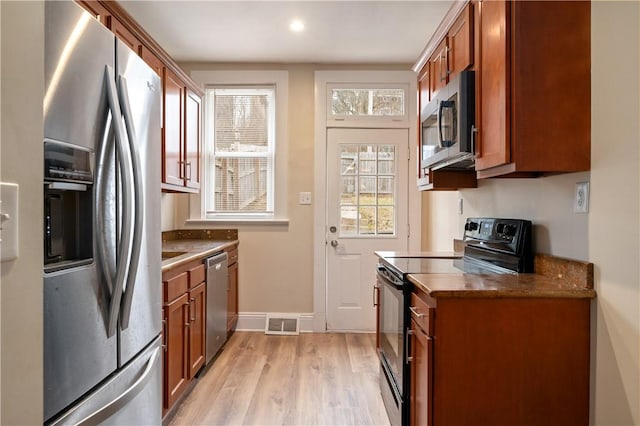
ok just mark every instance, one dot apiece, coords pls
pixel 367 189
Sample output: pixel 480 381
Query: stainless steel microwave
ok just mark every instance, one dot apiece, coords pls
pixel 447 126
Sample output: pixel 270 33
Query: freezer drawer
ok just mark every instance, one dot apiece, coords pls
pixel 131 397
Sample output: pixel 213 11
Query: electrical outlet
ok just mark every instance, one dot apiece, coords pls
pixel 460 205
pixel 581 201
pixel 305 198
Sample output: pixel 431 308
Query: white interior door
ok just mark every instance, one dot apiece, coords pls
pixel 367 210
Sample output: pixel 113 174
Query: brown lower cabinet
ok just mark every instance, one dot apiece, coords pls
pixel 499 361
pixel 184 328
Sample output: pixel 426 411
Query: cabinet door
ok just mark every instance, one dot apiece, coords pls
pixel 125 35
pixel 438 67
pixel 232 298
pixel 197 332
pixel 493 142
pixel 175 360
pixel 192 140
pixel 421 377
pixel 97 10
pixel 460 38
pixel 424 90
pixel 152 60
pixel 172 148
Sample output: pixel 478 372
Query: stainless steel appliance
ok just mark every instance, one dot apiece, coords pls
pixel 447 126
pixel 102 292
pixel 217 283
pixel 493 246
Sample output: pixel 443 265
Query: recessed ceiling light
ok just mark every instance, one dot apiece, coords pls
pixel 296 26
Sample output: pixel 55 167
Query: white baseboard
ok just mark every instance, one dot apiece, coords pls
pixel 255 321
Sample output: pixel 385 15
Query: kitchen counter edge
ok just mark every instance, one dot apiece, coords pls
pixel 205 249
pixel 497 286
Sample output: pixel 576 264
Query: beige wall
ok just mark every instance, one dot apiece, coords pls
pixel 546 201
pixel 276 262
pixel 614 239
pixel 21 94
pixel 608 236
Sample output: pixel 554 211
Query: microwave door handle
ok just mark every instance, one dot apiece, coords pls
pixel 439 116
pixel 124 160
pixel 138 208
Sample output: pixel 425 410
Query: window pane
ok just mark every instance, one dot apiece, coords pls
pixel 348 194
pixel 385 191
pixel 348 159
pixel 241 185
pixel 385 220
pixel 386 160
pixel 367 160
pixel 368 190
pixel 348 220
pixel 367 220
pixel 367 102
pixel 242 121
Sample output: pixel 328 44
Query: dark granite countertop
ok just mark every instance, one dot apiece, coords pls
pixel 499 285
pixel 554 277
pixel 183 246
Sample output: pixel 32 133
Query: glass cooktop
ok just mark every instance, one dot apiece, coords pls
pixel 412 265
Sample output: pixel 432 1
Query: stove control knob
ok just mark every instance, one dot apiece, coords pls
pixel 471 226
pixel 509 230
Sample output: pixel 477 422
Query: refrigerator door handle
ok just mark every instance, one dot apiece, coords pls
pixel 138 208
pixel 125 397
pixel 103 254
pixel 123 254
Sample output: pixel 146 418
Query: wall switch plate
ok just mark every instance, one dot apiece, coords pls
pixel 460 205
pixel 305 198
pixel 581 201
pixel 8 221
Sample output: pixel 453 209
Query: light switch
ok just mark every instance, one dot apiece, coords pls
pixel 305 198
pixel 8 221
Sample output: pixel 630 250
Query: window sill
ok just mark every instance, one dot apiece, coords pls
pixel 238 222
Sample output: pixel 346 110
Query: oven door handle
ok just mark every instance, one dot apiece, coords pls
pixel 376 295
pixel 406 346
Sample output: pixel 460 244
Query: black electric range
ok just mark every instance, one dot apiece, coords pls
pixel 492 246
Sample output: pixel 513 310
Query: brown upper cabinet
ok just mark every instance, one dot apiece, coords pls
pixel 181 100
pixel 172 136
pixel 460 40
pixel 97 10
pixel 454 53
pixel 438 66
pixel 125 35
pixel 181 136
pixel 192 139
pixel 533 112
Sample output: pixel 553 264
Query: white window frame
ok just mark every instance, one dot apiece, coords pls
pixel 279 80
pixel 268 155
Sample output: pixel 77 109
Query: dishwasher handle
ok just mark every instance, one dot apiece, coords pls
pixel 216 260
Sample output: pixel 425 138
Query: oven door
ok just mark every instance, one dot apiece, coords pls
pixel 393 320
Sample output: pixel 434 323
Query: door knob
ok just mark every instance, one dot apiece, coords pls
pixel 334 243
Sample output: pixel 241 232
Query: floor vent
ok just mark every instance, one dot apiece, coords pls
pixel 282 324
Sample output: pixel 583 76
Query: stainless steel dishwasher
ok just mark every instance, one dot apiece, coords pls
pixel 217 283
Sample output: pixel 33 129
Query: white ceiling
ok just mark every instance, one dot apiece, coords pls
pixel 258 31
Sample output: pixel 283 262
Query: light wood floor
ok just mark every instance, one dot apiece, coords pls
pixel 310 379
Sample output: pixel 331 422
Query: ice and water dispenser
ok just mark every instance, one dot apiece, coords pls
pixel 68 205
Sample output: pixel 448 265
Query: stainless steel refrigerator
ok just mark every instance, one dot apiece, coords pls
pixel 102 237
